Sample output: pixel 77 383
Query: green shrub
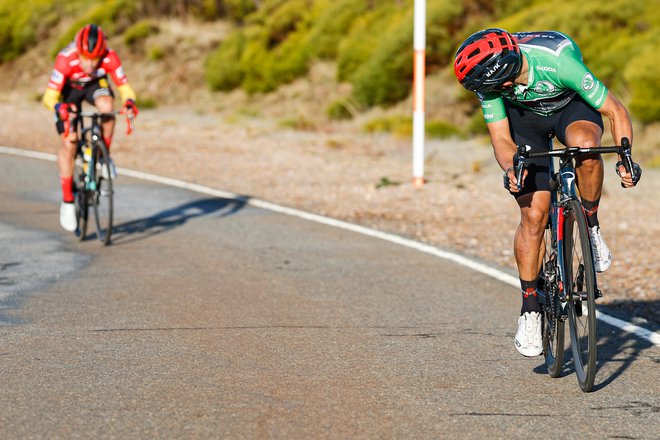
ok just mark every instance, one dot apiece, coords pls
pixel 237 10
pixel 387 76
pixel 643 84
pixel 340 109
pixel 146 102
pixel 156 53
pixel 285 20
pixel 255 64
pixel 334 20
pixel 365 34
pixel 223 67
pixel 139 31
pixel 442 129
pixel 399 125
pixel 21 23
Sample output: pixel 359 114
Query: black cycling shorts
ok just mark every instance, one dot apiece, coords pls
pixel 529 128
pixel 89 93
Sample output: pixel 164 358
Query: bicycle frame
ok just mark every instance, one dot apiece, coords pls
pixel 96 132
pixel 563 189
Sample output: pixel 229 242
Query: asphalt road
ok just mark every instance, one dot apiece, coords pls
pixel 209 318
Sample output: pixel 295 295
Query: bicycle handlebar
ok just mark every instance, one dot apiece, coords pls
pixel 624 150
pixel 130 118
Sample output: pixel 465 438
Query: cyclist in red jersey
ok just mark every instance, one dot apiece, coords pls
pixel 81 74
pixel 534 86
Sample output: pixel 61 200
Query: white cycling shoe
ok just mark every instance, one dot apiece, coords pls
pixel 528 340
pixel 68 216
pixel 602 254
pixel 104 170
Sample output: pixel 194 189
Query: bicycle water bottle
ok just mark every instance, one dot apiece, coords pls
pixel 87 153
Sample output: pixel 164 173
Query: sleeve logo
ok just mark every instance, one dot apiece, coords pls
pixel 588 81
pixel 57 77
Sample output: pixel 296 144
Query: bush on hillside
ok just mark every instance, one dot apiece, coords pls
pixel 643 84
pixel 365 34
pixel 386 77
pixel 339 110
pixel 139 31
pixel 441 129
pixel 22 24
pixel 237 10
pixel 335 18
pixel 223 67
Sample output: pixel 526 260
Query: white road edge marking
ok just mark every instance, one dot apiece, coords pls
pixel 650 336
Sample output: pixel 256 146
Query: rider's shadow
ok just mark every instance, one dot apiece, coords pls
pixel 617 351
pixel 166 220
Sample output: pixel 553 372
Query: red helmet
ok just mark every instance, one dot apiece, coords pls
pixel 487 59
pixel 91 41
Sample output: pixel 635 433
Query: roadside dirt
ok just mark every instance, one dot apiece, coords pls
pixel 344 173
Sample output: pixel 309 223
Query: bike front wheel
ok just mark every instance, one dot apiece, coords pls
pixel 553 321
pixel 102 196
pixel 580 285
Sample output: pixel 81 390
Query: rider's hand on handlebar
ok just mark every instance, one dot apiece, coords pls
pixel 510 180
pixel 130 108
pixel 62 110
pixel 626 177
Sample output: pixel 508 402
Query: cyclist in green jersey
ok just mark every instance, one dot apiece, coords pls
pixel 534 86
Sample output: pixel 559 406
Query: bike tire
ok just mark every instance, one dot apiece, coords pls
pixel 553 323
pixel 80 198
pixel 580 283
pixel 102 196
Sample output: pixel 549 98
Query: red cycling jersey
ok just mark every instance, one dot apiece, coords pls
pixel 67 70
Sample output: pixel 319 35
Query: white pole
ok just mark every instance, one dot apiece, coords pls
pixel 419 73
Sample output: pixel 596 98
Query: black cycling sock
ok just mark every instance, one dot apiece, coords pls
pixel 530 298
pixel 591 209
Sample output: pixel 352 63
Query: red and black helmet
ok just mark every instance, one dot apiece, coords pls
pixel 91 41
pixel 487 59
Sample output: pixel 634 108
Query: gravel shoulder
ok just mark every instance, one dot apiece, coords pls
pixel 366 179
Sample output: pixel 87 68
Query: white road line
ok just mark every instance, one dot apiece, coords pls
pixel 643 333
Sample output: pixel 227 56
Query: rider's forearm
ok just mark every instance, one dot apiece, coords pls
pixel 127 92
pixel 620 122
pixel 503 145
pixel 51 98
pixel 504 152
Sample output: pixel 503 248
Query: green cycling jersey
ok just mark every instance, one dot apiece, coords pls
pixel 556 73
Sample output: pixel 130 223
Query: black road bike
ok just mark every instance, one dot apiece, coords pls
pixel 568 271
pixel 92 174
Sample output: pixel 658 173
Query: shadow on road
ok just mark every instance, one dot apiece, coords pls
pixel 164 221
pixel 617 351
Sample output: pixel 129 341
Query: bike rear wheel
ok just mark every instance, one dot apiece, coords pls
pixel 80 198
pixel 102 196
pixel 580 285
pixel 553 322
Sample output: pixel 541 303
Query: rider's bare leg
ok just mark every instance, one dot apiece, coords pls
pixel 65 156
pixel 105 104
pixel 589 169
pixel 529 235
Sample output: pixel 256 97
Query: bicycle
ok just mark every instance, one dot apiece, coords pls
pixel 93 175
pixel 567 271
